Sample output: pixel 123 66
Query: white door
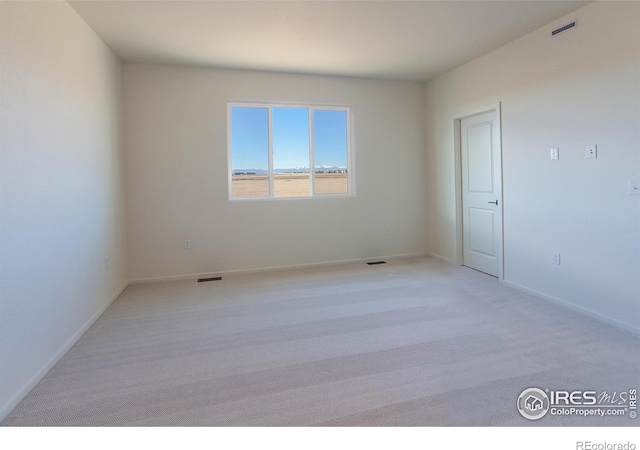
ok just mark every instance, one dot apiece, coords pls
pixel 481 193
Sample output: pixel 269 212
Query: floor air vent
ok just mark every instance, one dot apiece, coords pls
pixel 202 280
pixel 375 263
pixel 563 28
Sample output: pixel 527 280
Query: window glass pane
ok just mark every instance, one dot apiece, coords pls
pixel 249 152
pixel 330 152
pixel 271 154
pixel 291 152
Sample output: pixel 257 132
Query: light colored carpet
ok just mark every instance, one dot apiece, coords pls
pixel 413 342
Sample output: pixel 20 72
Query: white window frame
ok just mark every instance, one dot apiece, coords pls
pixel 311 107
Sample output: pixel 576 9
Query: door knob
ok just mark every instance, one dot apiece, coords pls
pixel 495 203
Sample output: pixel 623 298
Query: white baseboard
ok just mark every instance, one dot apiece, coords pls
pixel 34 380
pixel 579 309
pixel 271 269
pixel 442 258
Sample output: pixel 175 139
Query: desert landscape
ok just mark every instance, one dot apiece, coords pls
pixel 288 185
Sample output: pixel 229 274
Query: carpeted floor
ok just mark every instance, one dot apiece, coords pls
pixel 413 342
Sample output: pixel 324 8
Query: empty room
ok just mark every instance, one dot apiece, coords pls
pixel 309 213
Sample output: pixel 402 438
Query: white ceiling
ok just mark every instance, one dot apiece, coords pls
pixel 405 40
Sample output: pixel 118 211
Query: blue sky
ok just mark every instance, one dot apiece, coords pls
pixel 290 138
pixel 250 138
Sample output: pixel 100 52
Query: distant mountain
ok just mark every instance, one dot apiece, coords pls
pixel 292 170
pixel 250 172
pixel 289 170
pixel 330 169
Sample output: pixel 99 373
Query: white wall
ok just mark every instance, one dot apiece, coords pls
pixel 61 188
pixel 576 89
pixel 176 172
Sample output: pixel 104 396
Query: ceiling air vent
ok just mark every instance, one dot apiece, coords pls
pixel 564 28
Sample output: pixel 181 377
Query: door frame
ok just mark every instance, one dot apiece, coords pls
pixel 457 128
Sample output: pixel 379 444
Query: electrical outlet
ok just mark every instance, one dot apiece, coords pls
pixel 555 258
pixel 187 244
pixel 592 151
pixel 387 231
pixel 107 263
pixel 555 153
pixel 634 187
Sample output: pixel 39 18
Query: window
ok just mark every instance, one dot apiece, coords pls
pixel 273 148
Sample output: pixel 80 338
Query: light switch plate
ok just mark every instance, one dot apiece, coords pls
pixel 634 187
pixel 592 151
pixel 555 153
